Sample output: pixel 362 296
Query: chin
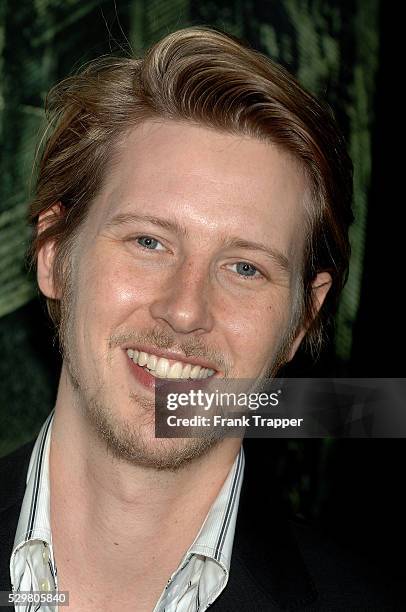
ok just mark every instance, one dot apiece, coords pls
pixel 133 439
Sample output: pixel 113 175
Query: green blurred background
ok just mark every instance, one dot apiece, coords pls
pixel 339 51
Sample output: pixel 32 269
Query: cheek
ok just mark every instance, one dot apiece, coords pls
pixel 109 293
pixel 113 289
pixel 254 329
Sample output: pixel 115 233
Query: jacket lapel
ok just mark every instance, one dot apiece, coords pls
pixel 267 570
pixel 13 473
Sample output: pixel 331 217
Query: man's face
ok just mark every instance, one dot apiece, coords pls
pixel 188 253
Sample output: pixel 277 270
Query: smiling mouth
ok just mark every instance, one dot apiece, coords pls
pixel 160 367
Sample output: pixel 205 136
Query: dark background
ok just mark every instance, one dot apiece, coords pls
pixel 344 52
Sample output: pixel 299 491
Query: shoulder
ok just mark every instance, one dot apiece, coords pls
pixel 301 568
pixel 283 563
pixel 345 577
pixel 13 471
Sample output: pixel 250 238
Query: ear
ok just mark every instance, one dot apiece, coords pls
pixel 320 288
pixel 46 255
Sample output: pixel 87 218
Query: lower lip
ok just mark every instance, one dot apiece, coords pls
pixel 142 375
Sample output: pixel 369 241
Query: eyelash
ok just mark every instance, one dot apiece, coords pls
pixel 257 276
pixel 137 238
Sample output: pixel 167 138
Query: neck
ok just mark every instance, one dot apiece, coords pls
pixel 107 508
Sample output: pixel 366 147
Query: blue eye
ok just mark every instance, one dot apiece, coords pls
pixel 148 243
pixel 245 269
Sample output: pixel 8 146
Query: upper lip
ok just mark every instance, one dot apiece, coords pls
pixel 173 355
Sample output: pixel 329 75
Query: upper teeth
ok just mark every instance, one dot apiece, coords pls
pixel 162 368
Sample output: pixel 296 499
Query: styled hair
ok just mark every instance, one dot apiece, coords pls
pixel 204 76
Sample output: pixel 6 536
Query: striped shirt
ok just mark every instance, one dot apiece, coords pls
pixel 200 578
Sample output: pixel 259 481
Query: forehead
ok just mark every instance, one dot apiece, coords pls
pixel 209 179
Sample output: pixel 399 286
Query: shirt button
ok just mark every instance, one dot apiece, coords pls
pixel 44 585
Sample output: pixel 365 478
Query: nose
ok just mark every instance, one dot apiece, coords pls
pixel 183 301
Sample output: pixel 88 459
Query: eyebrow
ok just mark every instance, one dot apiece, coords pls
pixel 234 242
pixel 128 218
pixel 279 258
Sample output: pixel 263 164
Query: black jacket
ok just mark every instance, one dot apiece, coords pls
pixel 276 564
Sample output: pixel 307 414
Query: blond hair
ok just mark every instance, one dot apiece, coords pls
pixel 204 76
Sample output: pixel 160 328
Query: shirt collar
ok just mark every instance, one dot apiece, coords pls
pixel 214 540
pixel 216 536
pixel 34 521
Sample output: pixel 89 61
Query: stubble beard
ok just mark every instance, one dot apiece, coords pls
pixel 127 440
pixel 124 439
